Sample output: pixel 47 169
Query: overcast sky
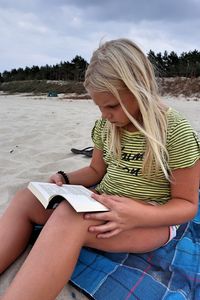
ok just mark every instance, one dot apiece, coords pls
pixel 40 32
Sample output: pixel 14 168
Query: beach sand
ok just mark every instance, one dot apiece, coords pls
pixel 37 134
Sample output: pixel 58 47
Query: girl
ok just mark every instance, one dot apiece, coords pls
pixel 145 166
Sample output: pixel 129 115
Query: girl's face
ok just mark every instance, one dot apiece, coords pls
pixel 112 111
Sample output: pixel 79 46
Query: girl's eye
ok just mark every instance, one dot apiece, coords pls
pixel 113 106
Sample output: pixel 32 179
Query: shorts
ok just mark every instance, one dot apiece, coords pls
pixel 172 232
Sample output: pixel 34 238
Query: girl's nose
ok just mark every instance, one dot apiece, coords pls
pixel 105 114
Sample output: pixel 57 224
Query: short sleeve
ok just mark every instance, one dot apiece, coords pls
pixel 97 134
pixel 183 146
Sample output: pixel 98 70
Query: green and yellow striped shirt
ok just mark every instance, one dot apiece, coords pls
pixel 124 177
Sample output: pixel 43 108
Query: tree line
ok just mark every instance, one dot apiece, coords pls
pixel 74 70
pixel 187 64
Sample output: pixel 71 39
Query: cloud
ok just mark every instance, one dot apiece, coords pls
pixel 39 32
pixel 129 10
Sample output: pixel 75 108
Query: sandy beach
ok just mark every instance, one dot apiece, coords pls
pixel 37 134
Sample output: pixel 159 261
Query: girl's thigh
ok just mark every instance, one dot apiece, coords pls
pixel 138 240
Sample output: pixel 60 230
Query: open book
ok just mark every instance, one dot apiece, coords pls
pixel 77 195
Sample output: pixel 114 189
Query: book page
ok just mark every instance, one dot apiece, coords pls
pixel 77 195
pixel 80 198
pixel 53 189
pixel 47 189
pixel 76 190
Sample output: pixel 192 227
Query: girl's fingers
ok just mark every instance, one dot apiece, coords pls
pixel 59 182
pixel 105 200
pixel 102 216
pixel 57 179
pixel 51 180
pixel 108 234
pixel 103 228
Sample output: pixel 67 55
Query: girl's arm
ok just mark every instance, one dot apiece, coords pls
pixel 183 204
pixel 87 176
pixel 127 214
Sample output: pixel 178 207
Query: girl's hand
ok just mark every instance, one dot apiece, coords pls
pixel 57 179
pixel 123 215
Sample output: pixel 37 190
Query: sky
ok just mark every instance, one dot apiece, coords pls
pixel 40 32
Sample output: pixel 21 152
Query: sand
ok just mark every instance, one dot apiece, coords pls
pixel 36 135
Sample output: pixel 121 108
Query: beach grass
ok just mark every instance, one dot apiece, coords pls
pixel 42 86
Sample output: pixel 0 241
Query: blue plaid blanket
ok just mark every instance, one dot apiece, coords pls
pixel 169 273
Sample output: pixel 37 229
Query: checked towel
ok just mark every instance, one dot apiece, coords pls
pixel 169 273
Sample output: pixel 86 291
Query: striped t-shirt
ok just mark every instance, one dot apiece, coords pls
pixel 124 176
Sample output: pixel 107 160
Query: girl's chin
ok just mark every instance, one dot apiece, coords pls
pixel 121 124
pixel 127 127
pixel 117 124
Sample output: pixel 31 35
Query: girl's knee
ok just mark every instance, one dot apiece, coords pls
pixel 25 204
pixel 66 221
pixel 19 200
pixel 65 213
pixel 24 200
pixel 23 195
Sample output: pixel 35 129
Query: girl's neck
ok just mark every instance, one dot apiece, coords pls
pixel 131 128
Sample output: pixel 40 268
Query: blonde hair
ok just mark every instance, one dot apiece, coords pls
pixel 118 65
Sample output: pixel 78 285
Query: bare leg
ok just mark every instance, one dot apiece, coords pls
pixel 16 225
pixel 53 257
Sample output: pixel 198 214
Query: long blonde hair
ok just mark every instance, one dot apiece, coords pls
pixel 120 64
